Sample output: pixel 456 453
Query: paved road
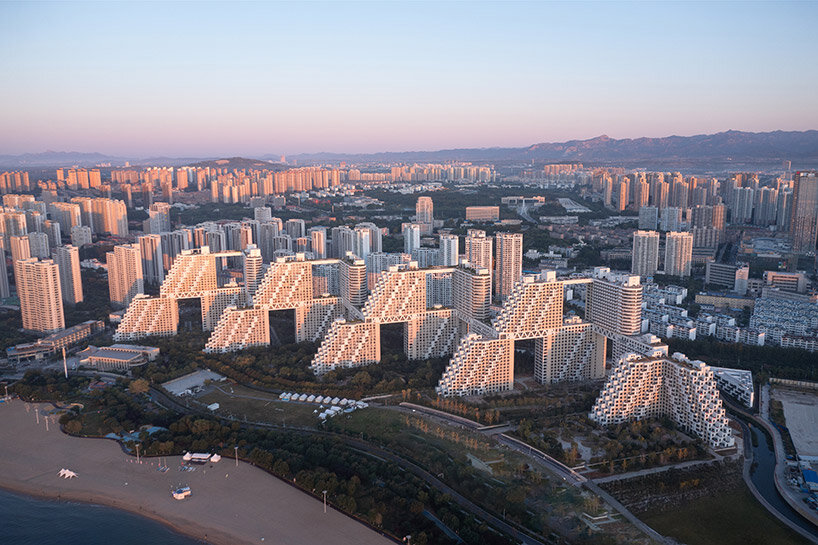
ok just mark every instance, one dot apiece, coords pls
pixel 652 470
pixel 613 502
pixel 522 210
pixel 562 471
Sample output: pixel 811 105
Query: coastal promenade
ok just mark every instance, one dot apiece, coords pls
pixel 230 504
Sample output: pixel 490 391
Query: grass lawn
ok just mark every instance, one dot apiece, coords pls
pixel 261 406
pixel 424 437
pixel 734 518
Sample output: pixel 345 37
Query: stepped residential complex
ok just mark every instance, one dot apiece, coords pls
pixel 674 387
pixel 444 312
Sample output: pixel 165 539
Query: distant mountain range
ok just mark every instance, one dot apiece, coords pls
pixel 730 149
pixel 70 158
pixel 237 162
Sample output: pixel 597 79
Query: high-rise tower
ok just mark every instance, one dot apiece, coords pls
pixel 125 278
pixel 40 295
pixel 804 221
pixel 67 259
pixel 645 259
pixel 509 264
pixel 449 251
pixel 678 253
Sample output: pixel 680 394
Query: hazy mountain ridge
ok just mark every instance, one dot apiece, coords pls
pixel 236 162
pixel 733 146
pixel 736 145
pixel 729 147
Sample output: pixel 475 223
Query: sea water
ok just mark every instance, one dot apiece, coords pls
pixel 29 521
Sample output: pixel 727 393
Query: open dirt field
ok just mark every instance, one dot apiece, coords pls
pixel 801 413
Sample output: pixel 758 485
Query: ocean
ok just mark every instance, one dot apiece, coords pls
pixel 28 521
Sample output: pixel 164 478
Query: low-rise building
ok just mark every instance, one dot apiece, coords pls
pixel 117 357
pixel 483 213
pixel 50 345
pixel 737 383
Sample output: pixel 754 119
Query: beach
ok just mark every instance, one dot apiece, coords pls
pixel 229 503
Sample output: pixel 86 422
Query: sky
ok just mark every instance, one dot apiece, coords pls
pixel 193 79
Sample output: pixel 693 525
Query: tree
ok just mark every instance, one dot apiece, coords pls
pixel 138 386
pixel 73 427
pixel 573 454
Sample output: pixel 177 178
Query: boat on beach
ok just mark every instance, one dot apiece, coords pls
pixel 181 493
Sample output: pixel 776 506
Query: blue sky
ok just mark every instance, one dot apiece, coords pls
pixel 250 78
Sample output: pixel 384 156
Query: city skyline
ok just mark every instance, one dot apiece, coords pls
pixel 337 283
pixel 490 272
pixel 287 78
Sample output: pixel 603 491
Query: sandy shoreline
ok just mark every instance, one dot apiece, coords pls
pixel 230 504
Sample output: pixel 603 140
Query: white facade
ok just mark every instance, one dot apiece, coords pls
pixel 645 259
pixel 253 271
pixel 509 263
pixel 685 391
pixel 348 344
pixel 240 328
pixel 678 253
pixel 38 287
pixel 318 242
pixel 148 317
pixel 411 237
pixel 68 260
pixel 125 277
pixel 353 281
pixel 471 291
pixel 312 321
pixel 479 366
pixel 615 302
pixel 38 245
pixel 736 382
pixel 433 334
pixel 153 270
pixel 214 303
pixel 479 249
pixel 573 352
pixel 80 235
pixel 448 255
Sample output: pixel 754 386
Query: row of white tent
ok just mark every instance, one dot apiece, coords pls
pixel 328 400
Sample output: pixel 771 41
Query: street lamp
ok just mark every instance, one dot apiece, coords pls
pixel 236 448
pixel 325 501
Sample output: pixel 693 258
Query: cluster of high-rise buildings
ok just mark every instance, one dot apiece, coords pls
pixel 678 256
pixel 704 206
pixel 333 305
pixel 46 272
pixel 343 287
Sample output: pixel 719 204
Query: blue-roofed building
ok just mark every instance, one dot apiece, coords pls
pixel 811 479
